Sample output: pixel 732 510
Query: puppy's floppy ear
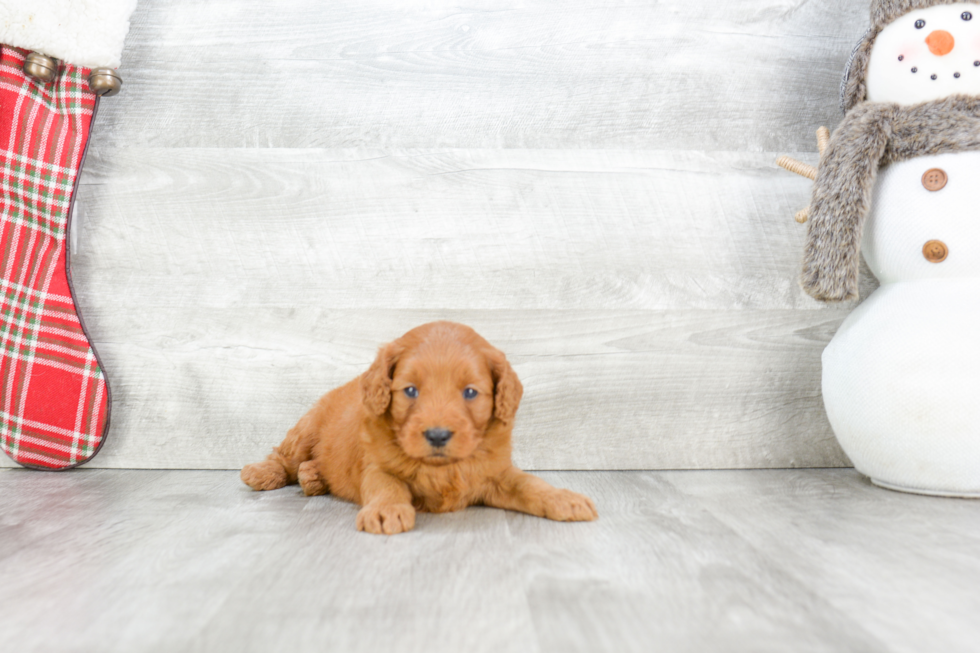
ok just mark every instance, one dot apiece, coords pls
pixel 507 387
pixel 376 382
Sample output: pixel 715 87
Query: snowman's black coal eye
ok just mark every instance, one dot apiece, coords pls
pixel 919 24
pixel 901 57
pixel 934 77
pixel 966 15
pixel 915 70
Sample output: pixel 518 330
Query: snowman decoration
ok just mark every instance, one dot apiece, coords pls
pixel 896 182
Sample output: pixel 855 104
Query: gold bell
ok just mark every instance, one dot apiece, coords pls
pixel 106 82
pixel 40 67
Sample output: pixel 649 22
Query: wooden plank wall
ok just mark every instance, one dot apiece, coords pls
pixel 281 188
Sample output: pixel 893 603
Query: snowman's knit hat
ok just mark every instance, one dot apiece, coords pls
pixel 883 12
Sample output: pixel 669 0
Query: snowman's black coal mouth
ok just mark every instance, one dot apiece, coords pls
pixel 935 76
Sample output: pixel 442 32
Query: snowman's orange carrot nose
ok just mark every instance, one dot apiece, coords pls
pixel 940 42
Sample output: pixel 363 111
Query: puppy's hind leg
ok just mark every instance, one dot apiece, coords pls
pixel 310 479
pixel 282 467
pixel 270 474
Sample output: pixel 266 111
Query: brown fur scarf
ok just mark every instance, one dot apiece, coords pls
pixel 870 136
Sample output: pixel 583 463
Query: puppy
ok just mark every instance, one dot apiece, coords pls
pixel 426 428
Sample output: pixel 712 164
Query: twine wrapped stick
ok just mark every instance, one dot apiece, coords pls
pixel 805 169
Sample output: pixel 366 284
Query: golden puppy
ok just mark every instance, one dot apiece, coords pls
pixel 427 427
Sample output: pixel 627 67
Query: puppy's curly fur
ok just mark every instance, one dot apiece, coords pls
pixel 378 441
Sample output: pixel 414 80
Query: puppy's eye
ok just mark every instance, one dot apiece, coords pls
pixel 470 393
pixel 411 392
pixel 919 24
pixel 966 15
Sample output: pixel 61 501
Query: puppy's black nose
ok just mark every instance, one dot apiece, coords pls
pixel 438 437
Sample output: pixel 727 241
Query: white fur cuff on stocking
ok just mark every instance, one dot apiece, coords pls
pixel 87 33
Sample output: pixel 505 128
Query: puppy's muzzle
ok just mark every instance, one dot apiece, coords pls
pixel 438 437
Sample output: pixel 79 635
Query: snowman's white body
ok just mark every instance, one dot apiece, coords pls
pixel 901 379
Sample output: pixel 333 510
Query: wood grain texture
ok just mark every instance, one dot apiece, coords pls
pixel 805 560
pixel 532 230
pixel 593 187
pixel 845 531
pixel 673 74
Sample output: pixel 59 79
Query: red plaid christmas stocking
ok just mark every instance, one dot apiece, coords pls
pixel 54 401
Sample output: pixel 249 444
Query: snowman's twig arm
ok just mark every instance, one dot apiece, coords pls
pixel 805 169
pixel 797 167
pixel 841 202
pixel 823 139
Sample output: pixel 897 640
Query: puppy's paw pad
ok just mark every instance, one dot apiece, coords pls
pixel 310 479
pixel 266 475
pixel 565 505
pixel 389 519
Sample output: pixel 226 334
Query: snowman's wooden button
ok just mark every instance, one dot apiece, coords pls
pixel 935 179
pixel 935 251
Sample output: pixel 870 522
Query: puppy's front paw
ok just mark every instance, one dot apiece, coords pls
pixel 390 519
pixel 266 475
pixel 310 480
pixel 565 505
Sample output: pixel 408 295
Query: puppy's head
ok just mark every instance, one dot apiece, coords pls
pixel 441 387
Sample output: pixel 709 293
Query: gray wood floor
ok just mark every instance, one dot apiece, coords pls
pixel 815 560
pixel 276 192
